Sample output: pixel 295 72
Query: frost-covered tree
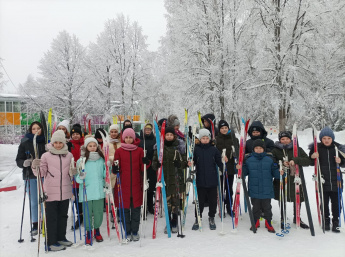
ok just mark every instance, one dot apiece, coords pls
pixel 61 85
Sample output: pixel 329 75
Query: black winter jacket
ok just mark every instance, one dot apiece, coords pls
pixel 26 151
pixel 206 158
pixel 328 165
pixel 268 142
pixel 225 142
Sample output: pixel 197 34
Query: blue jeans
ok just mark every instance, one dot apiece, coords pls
pixel 32 184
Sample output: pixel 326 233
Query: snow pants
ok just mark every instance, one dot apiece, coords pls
pixel 211 194
pixel 56 212
pixel 262 205
pixel 333 196
pixel 132 218
pixel 93 212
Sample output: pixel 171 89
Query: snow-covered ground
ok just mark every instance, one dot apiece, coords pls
pixel 206 243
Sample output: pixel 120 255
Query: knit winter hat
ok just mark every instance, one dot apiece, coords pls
pixel 148 125
pixel 64 123
pixel 129 132
pixel 223 123
pixel 89 140
pixel 173 121
pixel 284 134
pixel 259 142
pixel 77 129
pixel 327 132
pixel 115 127
pixel 58 136
pixel 160 122
pixel 170 130
pixel 98 133
pixel 204 133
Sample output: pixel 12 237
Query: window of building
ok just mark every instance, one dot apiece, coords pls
pixel 2 106
pixel 16 107
pixel 9 107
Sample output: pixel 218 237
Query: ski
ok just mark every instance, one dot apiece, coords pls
pixel 318 184
pixel 307 205
pixel 160 187
pixel 244 130
pixel 297 177
pixel 145 187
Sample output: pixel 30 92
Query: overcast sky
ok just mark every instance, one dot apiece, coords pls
pixel 28 27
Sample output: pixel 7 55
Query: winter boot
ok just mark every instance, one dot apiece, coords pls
pixel 65 242
pixel 269 226
pixel 212 223
pixel 195 225
pixel 34 230
pixel 88 237
pixel 327 224
pixel 165 230
pixel 303 225
pixel 98 235
pixel 76 225
pixel 56 247
pixel 174 224
pixel 257 224
pixel 335 224
pixel 135 236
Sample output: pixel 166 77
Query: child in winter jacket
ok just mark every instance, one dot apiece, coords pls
pixel 55 169
pixel 92 162
pixel 258 131
pixel 64 126
pixel 174 161
pixel 283 150
pixel 328 168
pixel 206 157
pixel 77 142
pixel 226 140
pixel 130 166
pixel 261 169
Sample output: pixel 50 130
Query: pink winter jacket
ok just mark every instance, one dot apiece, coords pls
pixel 57 181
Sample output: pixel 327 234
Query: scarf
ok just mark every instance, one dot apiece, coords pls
pixel 179 133
pixel 39 139
pixel 281 146
pixel 112 141
pixel 129 147
pixel 94 156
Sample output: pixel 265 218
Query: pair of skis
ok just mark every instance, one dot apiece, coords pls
pixel 160 186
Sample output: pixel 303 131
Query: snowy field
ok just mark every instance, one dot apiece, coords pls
pixel 206 243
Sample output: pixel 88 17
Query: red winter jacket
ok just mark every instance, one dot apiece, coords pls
pixel 75 150
pixel 131 168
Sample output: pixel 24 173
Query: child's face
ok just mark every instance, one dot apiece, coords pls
pixel 148 131
pixel 58 145
pixel 129 140
pixel 285 140
pixel 76 136
pixel 62 128
pixel 258 149
pixel 92 147
pixel 206 124
pixel 256 133
pixel 36 128
pixel 169 136
pixel 114 133
pixel 205 140
pixel 327 141
pixel 224 130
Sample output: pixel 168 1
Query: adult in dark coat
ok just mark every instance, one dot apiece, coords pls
pixel 328 167
pixel 225 140
pixel 206 121
pixel 24 160
pixel 150 142
pixel 257 131
pixel 283 150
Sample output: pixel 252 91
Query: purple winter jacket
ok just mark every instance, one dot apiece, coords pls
pixel 57 181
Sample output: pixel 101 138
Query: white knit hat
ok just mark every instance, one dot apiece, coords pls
pixel 64 123
pixel 204 133
pixel 89 140
pixel 58 136
pixel 114 126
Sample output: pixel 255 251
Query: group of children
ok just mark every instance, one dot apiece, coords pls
pixel 75 162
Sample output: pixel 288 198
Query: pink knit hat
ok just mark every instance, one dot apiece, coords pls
pixel 128 132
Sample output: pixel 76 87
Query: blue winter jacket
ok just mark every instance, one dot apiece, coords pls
pixel 94 180
pixel 261 170
pixel 206 159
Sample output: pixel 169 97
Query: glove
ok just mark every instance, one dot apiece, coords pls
pixel 177 163
pixel 146 160
pixel 73 171
pixel 108 163
pixel 190 134
pixel 27 163
pixel 115 169
pixel 36 163
pixel 159 165
pixel 82 175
